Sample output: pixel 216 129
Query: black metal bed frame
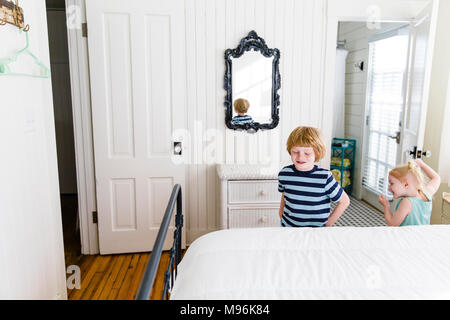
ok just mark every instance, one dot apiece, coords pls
pixel 175 252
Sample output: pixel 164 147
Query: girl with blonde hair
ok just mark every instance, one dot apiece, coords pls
pixel 409 184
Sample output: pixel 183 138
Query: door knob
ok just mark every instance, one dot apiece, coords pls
pixel 426 154
pixel 417 154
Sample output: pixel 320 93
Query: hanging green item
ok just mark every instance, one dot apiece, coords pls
pixel 5 69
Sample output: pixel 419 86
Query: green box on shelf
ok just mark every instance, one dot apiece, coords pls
pixel 343 149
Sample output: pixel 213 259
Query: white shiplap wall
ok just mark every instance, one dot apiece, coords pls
pixel 297 28
pixel 357 35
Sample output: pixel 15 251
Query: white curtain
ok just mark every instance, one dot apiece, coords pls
pixel 339 96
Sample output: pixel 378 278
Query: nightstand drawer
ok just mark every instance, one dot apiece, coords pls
pixel 253 191
pixel 253 218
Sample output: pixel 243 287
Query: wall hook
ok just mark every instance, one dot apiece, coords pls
pixel 15 13
pixel 11 13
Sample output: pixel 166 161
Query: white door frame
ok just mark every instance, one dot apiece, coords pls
pixel 363 11
pixel 82 125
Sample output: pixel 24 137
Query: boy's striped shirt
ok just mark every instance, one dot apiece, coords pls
pixel 242 119
pixel 307 196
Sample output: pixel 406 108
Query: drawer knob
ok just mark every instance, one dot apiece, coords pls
pixel 263 219
pixel 262 193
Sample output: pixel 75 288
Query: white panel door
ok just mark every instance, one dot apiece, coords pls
pixel 387 71
pixel 422 43
pixel 137 67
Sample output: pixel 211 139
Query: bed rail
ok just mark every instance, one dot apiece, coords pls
pixel 170 274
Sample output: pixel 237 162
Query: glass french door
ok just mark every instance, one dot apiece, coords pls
pixel 387 78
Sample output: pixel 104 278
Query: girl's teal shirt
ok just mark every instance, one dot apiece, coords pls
pixel 420 213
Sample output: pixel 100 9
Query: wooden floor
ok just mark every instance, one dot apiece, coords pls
pixel 115 277
pixel 112 277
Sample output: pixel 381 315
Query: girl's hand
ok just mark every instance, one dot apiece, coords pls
pixel 382 199
pixel 419 162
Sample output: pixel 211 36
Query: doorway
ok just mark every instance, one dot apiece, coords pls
pixel 166 49
pixel 373 100
pixel 62 105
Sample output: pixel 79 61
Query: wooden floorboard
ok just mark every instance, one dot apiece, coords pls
pixel 109 277
pixel 116 277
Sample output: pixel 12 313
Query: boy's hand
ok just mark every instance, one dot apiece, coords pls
pixel 382 199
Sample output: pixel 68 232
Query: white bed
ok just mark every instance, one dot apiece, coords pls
pixel 317 263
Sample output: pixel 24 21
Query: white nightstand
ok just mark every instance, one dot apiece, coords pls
pixel 249 196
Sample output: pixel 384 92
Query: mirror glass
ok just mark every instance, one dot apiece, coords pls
pixel 252 81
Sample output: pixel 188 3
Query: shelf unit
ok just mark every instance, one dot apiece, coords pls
pixel 347 150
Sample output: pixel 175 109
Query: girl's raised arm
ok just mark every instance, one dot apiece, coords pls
pixel 435 180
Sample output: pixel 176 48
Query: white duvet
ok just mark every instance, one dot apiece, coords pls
pixel 318 263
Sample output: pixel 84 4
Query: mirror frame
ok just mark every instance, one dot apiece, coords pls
pixel 255 43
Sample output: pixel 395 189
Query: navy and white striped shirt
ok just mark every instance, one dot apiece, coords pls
pixel 242 119
pixel 307 196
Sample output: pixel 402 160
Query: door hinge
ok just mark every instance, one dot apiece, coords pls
pixel 84 29
pixel 397 137
pixel 94 217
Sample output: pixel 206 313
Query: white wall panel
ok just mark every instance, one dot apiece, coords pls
pixel 31 242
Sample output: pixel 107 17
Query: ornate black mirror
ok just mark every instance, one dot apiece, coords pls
pixel 252 80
